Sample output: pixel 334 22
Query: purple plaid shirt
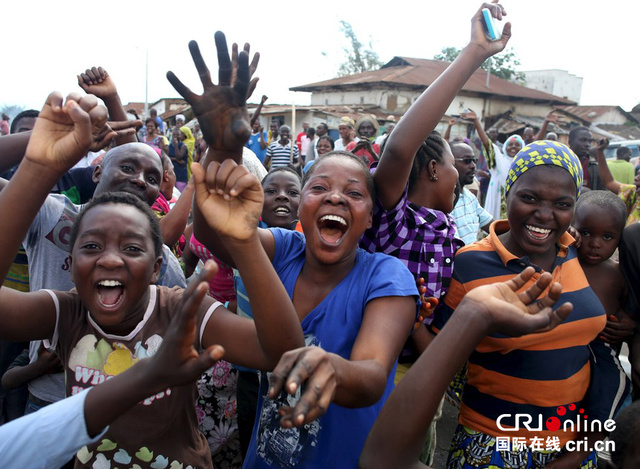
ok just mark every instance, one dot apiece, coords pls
pixel 423 239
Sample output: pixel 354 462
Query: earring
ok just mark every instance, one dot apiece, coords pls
pixel 433 178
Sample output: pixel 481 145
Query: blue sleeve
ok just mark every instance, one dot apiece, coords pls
pixel 287 244
pixel 390 277
pixel 57 431
pixel 484 217
pixel 609 383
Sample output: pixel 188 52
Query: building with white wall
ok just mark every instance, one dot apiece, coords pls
pixel 557 82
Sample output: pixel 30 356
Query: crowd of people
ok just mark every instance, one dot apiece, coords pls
pixel 211 294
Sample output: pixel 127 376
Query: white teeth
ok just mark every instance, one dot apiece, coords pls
pixel 109 283
pixel 340 220
pixel 282 210
pixel 535 229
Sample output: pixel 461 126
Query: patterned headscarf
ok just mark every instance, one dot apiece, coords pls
pixel 545 152
pixel 517 138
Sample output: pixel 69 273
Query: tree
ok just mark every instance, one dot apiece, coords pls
pixel 358 59
pixel 502 65
pixel 11 110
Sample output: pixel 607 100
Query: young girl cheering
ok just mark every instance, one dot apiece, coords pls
pixel 116 317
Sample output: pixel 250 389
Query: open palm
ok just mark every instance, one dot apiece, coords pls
pixel 221 109
pixel 521 313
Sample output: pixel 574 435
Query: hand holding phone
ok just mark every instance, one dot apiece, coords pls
pixel 490 25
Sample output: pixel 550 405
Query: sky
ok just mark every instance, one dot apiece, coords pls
pixel 46 44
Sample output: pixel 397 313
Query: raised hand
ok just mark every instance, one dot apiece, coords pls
pixel 252 68
pixel 96 81
pixel 521 313
pixel 177 362
pixel 112 130
pixel 478 36
pixel 552 117
pixel 63 131
pixel 602 144
pixel 310 368
pixel 229 197
pixel 221 109
pixel 469 114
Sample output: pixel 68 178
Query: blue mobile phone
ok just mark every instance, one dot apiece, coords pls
pixel 492 31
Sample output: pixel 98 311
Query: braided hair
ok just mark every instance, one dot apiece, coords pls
pixel 431 149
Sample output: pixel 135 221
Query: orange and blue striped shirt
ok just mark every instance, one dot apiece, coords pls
pixel 534 374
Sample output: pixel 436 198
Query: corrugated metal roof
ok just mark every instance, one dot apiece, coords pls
pixel 420 73
pixel 590 113
pixel 354 111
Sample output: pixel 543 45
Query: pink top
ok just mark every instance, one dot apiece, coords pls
pixel 221 286
pixel 364 154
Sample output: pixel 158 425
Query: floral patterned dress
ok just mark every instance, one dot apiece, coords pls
pixel 216 408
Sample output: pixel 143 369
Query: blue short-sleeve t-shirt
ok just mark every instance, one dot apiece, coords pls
pixel 337 438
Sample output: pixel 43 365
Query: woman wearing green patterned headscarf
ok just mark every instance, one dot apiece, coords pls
pixel 540 375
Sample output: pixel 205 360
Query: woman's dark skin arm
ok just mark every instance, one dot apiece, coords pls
pixel 603 168
pixel 256 114
pixel 174 223
pixel 414 402
pixel 551 117
pixel 423 115
pixel 484 138
pixel 96 81
pixel 175 364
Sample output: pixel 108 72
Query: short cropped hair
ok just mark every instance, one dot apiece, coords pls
pixel 574 132
pixel 621 152
pixel 606 200
pixel 29 113
pixel 281 169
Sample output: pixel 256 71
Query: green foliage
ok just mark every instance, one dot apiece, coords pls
pixel 358 59
pixel 503 65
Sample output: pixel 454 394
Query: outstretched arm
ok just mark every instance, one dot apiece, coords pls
pixel 86 415
pixel 423 115
pixel 358 381
pixel 177 363
pixel 484 138
pixel 12 148
pixel 174 223
pixel 222 113
pixel 256 114
pixel 603 168
pixel 96 81
pixel 551 117
pixel 447 133
pixel 230 199
pixel 61 136
pixel 484 310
